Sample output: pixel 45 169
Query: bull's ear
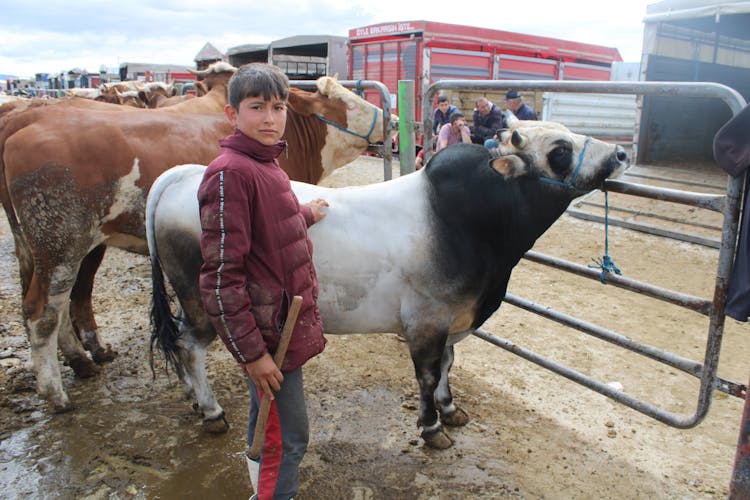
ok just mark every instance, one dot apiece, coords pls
pixel 509 166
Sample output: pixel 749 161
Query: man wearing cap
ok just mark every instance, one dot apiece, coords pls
pixel 515 103
pixel 487 118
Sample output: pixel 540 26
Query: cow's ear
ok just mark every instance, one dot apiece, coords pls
pixel 509 166
pixel 325 84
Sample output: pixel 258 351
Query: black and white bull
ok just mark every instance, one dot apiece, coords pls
pixel 427 255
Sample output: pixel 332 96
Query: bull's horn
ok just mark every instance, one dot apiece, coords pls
pixel 518 140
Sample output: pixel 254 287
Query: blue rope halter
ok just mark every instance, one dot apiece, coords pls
pixel 605 264
pixel 349 131
pixel 569 184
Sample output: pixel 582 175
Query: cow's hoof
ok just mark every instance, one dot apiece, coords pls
pixel 437 439
pixel 83 367
pixel 218 425
pixel 457 418
pixel 60 404
pixel 104 355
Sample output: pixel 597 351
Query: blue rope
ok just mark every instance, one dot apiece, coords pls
pixel 359 90
pixel 349 131
pixel 605 264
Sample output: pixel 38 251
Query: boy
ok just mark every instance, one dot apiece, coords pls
pixel 442 114
pixel 256 257
pixel 453 132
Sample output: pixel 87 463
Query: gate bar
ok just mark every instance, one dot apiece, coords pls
pixel 647 228
pixel 713 202
pixel 672 419
pixel 647 215
pixel 697 304
pixel 683 364
pixel 385 105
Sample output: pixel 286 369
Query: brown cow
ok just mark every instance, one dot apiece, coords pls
pixel 69 191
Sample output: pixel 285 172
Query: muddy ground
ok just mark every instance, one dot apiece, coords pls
pixel 533 434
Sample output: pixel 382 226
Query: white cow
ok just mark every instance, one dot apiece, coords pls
pixel 427 255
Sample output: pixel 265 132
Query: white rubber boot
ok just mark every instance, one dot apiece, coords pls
pixel 253 468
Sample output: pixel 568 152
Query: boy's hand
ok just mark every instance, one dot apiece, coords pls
pixel 265 374
pixel 317 208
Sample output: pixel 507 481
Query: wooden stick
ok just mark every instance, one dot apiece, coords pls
pixel 265 404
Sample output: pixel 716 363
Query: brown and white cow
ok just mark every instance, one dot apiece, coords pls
pixel 75 179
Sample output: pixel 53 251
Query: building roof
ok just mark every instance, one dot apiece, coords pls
pixel 730 18
pixel 143 67
pixel 294 41
pixel 209 53
pixel 690 9
pixel 248 47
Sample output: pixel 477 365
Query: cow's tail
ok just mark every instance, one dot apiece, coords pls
pixel 165 331
pixel 13 117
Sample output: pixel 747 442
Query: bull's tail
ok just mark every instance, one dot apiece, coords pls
pixel 165 331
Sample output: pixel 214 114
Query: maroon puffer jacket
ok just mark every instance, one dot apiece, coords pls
pixel 256 254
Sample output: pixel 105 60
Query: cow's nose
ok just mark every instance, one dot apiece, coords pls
pixel 620 154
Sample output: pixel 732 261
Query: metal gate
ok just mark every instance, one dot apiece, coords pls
pixel 728 205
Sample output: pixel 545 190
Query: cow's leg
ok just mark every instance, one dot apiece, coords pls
pixel 45 310
pixel 450 414
pixel 81 310
pixel 72 349
pixel 193 356
pixel 427 352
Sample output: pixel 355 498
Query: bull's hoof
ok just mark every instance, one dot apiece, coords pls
pixel 218 425
pixel 457 418
pixel 437 439
pixel 83 367
pixel 104 355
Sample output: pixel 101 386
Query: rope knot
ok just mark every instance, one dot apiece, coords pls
pixel 607 266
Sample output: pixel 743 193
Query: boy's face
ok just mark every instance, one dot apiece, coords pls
pixel 444 106
pixel 259 119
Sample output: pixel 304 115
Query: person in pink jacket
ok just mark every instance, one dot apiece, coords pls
pixel 257 255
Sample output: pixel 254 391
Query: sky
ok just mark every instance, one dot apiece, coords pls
pixel 55 36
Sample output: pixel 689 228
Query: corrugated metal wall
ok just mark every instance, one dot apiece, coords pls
pixel 609 117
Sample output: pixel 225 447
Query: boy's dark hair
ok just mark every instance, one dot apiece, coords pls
pixel 455 116
pixel 442 98
pixel 257 80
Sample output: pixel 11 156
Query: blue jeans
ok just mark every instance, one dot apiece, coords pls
pixel 287 425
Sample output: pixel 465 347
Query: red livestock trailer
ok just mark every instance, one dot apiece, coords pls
pixel 426 52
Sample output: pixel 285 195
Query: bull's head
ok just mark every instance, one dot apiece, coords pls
pixel 554 154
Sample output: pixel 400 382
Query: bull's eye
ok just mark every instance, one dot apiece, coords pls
pixel 560 159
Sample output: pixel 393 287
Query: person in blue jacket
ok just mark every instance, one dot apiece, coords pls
pixel 442 114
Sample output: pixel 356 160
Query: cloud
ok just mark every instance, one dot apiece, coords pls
pixel 57 35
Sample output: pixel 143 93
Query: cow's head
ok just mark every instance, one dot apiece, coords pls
pixel 554 154
pixel 217 74
pixel 350 113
